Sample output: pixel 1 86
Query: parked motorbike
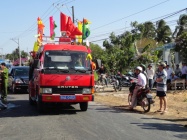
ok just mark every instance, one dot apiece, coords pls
pixel 102 80
pixel 125 81
pixel 113 80
pixel 144 98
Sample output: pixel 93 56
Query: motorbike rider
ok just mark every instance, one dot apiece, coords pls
pixel 118 77
pixel 139 85
pixel 102 72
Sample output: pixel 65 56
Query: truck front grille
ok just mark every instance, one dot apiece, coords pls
pixel 67 90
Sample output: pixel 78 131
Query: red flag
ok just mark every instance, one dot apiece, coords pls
pixel 76 31
pixel 68 26
pixel 63 22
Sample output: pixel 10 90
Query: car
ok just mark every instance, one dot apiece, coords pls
pixel 18 78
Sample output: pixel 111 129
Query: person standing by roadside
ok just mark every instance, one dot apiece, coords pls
pixel 161 79
pixel 4 84
pixel 102 71
pixel 150 75
pixel 184 70
pixel 177 70
pixel 169 71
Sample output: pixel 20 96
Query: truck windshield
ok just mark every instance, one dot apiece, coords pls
pixel 66 60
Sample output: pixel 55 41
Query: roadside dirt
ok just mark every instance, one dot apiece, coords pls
pixel 177 104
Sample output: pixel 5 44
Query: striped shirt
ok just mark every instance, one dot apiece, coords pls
pixel 161 86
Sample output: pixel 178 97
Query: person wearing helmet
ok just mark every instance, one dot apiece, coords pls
pixel 139 85
pixel 161 79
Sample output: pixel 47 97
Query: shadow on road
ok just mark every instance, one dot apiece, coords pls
pixel 118 109
pixel 164 126
pixel 22 108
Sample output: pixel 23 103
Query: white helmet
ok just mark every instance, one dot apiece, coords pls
pixel 139 68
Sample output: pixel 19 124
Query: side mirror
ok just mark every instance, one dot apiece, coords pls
pixel 36 63
pixel 9 74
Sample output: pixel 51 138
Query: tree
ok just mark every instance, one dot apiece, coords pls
pixel 15 55
pixel 149 30
pixel 182 25
pixel 97 51
pixel 163 32
pixel 181 45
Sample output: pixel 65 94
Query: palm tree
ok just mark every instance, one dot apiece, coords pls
pixel 182 25
pixel 149 30
pixel 163 32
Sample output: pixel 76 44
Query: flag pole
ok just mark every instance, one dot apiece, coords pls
pixel 82 30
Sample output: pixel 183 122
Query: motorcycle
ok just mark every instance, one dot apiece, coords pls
pixel 125 81
pixel 144 98
pixel 114 80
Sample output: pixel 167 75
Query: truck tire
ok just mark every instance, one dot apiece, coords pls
pixel 84 106
pixel 40 106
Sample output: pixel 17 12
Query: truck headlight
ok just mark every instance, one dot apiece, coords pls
pixel 18 81
pixel 86 90
pixel 46 90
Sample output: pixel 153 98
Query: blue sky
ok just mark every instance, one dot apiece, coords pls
pixel 19 17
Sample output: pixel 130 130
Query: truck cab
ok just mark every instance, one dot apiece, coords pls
pixel 61 74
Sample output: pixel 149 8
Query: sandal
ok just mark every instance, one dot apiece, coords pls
pixel 159 110
pixel 165 111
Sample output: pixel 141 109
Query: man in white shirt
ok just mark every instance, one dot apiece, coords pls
pixel 184 70
pixel 150 74
pixel 169 71
pixel 139 85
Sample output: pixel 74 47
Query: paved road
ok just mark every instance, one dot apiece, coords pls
pixel 22 122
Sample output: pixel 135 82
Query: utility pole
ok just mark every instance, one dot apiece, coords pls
pixel 19 52
pixel 73 14
pixel 2 55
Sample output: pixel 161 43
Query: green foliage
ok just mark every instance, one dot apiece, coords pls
pixel 163 32
pixel 15 55
pixel 181 45
pixel 140 45
pixel 182 25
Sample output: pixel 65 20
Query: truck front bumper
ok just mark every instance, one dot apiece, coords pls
pixel 67 98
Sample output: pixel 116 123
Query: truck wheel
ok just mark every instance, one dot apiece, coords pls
pixel 40 106
pixel 84 106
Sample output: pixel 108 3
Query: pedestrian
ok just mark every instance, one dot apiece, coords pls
pixel 161 79
pixel 150 75
pixel 4 84
pixel 184 70
pixel 169 71
pixel 102 72
pixel 177 70
pixel 173 76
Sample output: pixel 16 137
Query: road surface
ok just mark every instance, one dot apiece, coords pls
pixel 22 122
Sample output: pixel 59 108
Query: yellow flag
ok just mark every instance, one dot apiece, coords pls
pixel 36 47
pixel 79 37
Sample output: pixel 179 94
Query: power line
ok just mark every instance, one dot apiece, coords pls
pixel 32 27
pixel 132 14
pixel 161 17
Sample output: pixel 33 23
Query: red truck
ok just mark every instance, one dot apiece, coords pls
pixel 61 74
